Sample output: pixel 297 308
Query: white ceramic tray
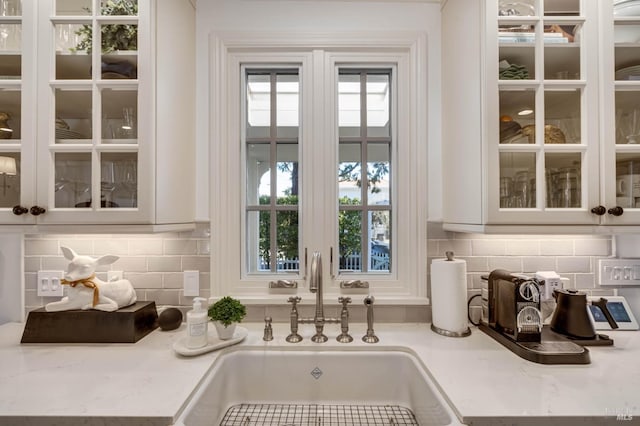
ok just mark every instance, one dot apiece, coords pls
pixel 213 343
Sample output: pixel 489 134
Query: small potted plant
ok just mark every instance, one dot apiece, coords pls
pixel 225 314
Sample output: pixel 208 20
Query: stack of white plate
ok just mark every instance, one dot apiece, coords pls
pixel 626 7
pixel 628 73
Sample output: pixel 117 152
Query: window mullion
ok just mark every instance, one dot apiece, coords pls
pixel 273 178
pixel 364 176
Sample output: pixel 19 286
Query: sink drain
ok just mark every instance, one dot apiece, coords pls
pixel 317 415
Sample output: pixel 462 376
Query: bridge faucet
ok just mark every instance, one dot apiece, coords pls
pixel 315 286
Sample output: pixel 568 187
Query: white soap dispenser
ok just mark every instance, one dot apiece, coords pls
pixel 197 321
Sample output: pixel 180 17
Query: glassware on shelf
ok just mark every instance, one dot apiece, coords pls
pixel 523 194
pixel 10 7
pixel 628 126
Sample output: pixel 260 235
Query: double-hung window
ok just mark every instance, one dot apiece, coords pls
pixel 318 150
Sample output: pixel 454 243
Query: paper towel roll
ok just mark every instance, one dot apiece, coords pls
pixel 449 297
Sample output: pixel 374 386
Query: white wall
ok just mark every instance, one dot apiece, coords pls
pixel 317 17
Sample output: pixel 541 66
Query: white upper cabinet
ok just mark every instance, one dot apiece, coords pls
pixel 108 135
pixel 532 116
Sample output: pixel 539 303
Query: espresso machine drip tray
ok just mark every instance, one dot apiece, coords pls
pixel 552 349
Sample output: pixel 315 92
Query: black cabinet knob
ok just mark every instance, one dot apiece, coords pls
pixel 19 210
pixel 600 210
pixel 616 211
pixel 37 210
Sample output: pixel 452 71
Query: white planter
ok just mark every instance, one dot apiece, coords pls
pixel 225 333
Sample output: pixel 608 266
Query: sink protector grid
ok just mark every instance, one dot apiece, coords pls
pixel 349 378
pixel 317 415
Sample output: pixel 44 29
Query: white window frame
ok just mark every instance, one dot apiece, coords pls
pixel 319 55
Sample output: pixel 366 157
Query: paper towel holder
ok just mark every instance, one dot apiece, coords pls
pixel 444 332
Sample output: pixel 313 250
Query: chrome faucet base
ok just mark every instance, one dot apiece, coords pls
pixel 294 338
pixel 344 338
pixel 319 338
pixel 370 338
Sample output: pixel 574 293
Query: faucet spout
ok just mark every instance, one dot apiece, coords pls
pixel 315 286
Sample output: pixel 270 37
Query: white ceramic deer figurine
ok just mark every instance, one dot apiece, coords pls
pixel 86 291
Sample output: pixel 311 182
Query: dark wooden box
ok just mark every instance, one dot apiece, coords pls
pixel 126 325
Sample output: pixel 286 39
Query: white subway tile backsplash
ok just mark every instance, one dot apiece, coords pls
pixel 40 247
pixel 145 280
pixel 154 264
pixel 176 247
pixel 592 248
pixel 114 246
pixel 523 247
pixel 145 247
pixel 538 263
pixel 164 263
pixel 513 264
pixel 574 264
pixel 199 263
pixel 556 247
pixel 488 248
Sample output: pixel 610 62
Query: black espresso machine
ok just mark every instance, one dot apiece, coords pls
pixel 514 319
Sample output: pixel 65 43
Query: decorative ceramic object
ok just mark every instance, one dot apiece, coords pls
pixel 552 134
pixel 86 291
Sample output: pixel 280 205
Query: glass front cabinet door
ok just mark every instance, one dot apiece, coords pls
pixel 544 147
pixel 92 138
pixel 17 122
pixel 621 110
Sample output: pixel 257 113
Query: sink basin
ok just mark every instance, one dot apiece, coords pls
pixel 352 381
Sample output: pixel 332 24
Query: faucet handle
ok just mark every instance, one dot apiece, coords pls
pixel 294 300
pixel 344 300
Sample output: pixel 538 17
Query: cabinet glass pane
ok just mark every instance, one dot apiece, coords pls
pixel 627 117
pixel 10 115
pixel 562 116
pixel 516 8
pixel 9 179
pixel 350 174
pixel 517 180
pixel 516 52
pixel 627 51
pixel 73 7
pixel 517 116
pixel 378 157
pixel 72 179
pixel 563 180
pixel 10 38
pixel 73 116
pixel 119 180
pixel 10 7
pixel 119 7
pixel 119 51
pixel 287 105
pixel 72 60
pixel 258 106
pixel 287 174
pixel 628 180
pixel 562 7
pixel 378 105
pixel 349 105
pixel 119 116
pixel 562 52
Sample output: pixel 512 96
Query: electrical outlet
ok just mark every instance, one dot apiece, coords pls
pixel 49 283
pixel 191 283
pixel 114 275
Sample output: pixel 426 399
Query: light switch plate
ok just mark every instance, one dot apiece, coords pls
pixel 191 283
pixel 49 283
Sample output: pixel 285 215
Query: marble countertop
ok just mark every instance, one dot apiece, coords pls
pixel 147 383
